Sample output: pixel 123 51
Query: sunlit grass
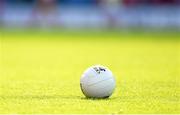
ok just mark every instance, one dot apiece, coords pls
pixel 40 72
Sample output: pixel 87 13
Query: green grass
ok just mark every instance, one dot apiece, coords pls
pixel 40 72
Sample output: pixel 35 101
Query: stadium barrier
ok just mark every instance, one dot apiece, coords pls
pixel 77 17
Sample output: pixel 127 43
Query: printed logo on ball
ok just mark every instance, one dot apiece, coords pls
pixel 99 69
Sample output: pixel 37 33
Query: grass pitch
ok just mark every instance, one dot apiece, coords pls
pixel 40 72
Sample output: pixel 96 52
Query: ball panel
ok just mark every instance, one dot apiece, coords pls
pixel 101 89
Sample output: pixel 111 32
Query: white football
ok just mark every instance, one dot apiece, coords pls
pixel 97 82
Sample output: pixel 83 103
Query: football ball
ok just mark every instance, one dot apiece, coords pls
pixel 97 82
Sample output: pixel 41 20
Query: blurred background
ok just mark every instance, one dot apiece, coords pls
pixel 90 13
